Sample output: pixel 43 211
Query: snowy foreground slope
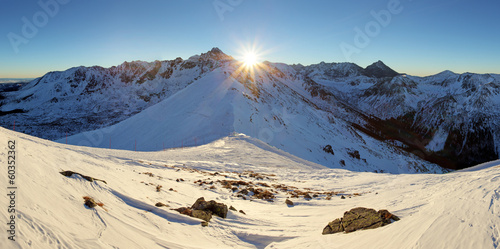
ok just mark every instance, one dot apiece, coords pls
pixel 454 210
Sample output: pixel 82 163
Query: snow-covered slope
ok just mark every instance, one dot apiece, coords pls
pixel 261 103
pixel 448 118
pixel 455 210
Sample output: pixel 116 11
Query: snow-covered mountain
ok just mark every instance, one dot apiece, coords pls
pixel 267 104
pixel 450 119
pixel 82 99
pixel 455 210
pixel 373 118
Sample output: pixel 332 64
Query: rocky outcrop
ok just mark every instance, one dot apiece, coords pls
pixel 360 218
pixel 202 209
pixel 217 208
pixel 328 149
pixel 88 178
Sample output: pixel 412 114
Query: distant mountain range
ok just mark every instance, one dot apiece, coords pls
pixel 15 80
pixel 336 114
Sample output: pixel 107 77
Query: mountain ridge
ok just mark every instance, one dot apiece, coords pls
pixel 80 99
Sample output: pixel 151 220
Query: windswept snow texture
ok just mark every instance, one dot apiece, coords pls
pixel 455 210
pixel 228 100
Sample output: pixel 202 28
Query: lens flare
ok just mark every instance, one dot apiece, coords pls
pixel 250 59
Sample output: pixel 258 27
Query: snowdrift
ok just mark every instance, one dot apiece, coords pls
pixel 454 210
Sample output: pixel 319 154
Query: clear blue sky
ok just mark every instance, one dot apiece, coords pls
pixel 423 38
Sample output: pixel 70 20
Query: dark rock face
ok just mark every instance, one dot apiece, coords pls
pixel 219 209
pixel 200 214
pixel 360 218
pixel 328 149
pixel 379 70
pixel 202 209
pixel 89 202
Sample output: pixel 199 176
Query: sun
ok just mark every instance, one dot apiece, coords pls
pixel 250 59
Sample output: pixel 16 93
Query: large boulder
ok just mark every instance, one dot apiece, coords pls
pixel 200 214
pixel 217 208
pixel 360 218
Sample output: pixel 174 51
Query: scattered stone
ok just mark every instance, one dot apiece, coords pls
pixel 88 178
pixel 289 202
pixel 328 149
pixel 149 174
pixel 263 194
pixel 360 218
pixel 204 223
pixel 89 202
pixel 184 210
pixel 243 212
pixel 342 162
pixel 354 154
pixel 158 188
pixel 160 204
pixel 328 198
pixel 232 208
pixel 307 197
pixel 342 197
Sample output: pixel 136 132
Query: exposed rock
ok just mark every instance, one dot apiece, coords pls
pixel 219 209
pixel 328 149
pixel 88 178
pixel 200 214
pixel 334 227
pixel 159 204
pixel 232 208
pixel 263 194
pixel 289 202
pixel 204 223
pixel 360 218
pixel 342 197
pixel 243 212
pixel 184 210
pixel 354 154
pixel 89 202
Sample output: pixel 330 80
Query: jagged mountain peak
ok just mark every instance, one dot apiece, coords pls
pixel 215 54
pixel 379 69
